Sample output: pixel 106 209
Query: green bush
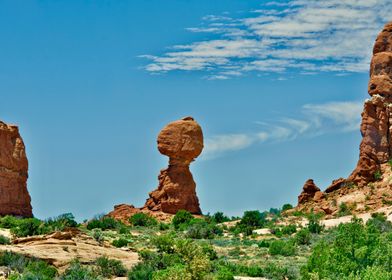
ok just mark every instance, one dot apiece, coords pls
pixel 164 243
pixel 289 229
pixel 263 244
pixel 109 268
pixel 281 247
pixel 27 268
pixel 219 218
pixel 8 222
pixel 78 272
pixel 379 221
pixel 182 218
pixel 141 271
pixel 120 242
pixel 29 227
pixel 61 222
pixel 143 220
pixel 250 220
pixel 103 223
pixel 286 207
pixel 97 234
pixel 4 240
pixel 224 274
pixel 200 229
pixel 343 210
pixel 314 224
pixel 303 237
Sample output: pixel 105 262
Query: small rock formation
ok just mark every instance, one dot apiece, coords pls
pixel 376 127
pixel 182 142
pixel 309 192
pixel 14 197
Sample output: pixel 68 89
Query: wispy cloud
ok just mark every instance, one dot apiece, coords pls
pixel 305 35
pixel 313 120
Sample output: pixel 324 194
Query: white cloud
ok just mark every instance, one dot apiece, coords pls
pixel 313 120
pixel 220 144
pixel 305 35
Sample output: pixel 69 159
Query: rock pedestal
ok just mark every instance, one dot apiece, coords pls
pixel 182 142
pixel 14 197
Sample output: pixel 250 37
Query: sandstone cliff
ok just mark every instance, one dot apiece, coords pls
pixel 14 197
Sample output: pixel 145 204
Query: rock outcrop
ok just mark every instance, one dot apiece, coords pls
pixel 309 192
pixel 61 248
pixel 182 142
pixel 376 127
pixel 375 150
pixel 14 197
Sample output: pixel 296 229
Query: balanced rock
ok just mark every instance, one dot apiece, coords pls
pixel 376 126
pixel 182 142
pixel 309 191
pixel 14 197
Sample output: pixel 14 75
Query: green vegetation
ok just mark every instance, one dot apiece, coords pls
pixel 143 220
pixel 4 240
pixel 353 251
pixel 181 219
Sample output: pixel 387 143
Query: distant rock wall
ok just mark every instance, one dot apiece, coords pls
pixel 14 197
pixel 376 127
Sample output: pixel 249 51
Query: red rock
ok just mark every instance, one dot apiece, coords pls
pixel 14 197
pixel 376 126
pixel 336 184
pixel 182 142
pixel 308 192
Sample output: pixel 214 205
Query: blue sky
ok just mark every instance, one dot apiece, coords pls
pixel 278 88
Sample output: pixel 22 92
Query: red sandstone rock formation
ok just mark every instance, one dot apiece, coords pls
pixel 14 197
pixel 376 127
pixel 309 192
pixel 182 142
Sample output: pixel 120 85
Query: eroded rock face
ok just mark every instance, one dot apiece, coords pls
pixel 14 197
pixel 309 192
pixel 376 126
pixel 182 142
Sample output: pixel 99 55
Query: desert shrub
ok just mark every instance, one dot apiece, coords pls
pixel 380 222
pixel 27 268
pixel 251 220
pixel 219 217
pixel 164 243
pixel 142 220
pixel 200 229
pixel 263 244
pixel 177 272
pixel 122 229
pixel 97 234
pixel 286 207
pixel 377 175
pixel 8 222
pixel 29 227
pixel 4 240
pixel 61 222
pixel 102 223
pixel 78 272
pixel 224 274
pixel 281 247
pixel 163 226
pixel 289 229
pixel 141 271
pixel 120 242
pixel 303 237
pixel 344 210
pixel 314 224
pixel 181 219
pixel 109 267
